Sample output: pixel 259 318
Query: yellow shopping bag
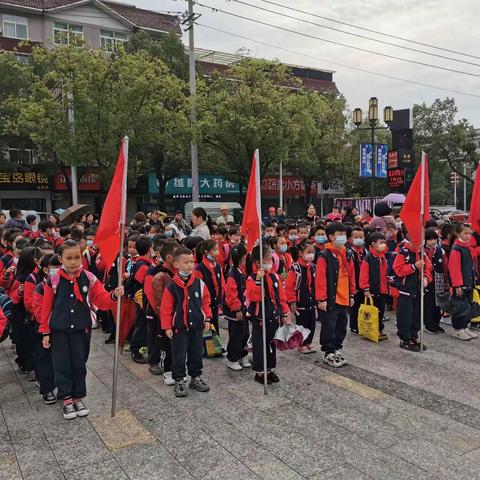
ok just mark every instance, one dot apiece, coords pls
pixel 476 299
pixel 368 320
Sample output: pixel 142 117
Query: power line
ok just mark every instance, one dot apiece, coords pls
pixel 396 37
pixel 214 9
pixel 357 35
pixel 390 77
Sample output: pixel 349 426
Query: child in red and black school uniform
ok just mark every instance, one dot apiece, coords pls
pixel 66 325
pixel 209 271
pixel 235 311
pixel 462 266
pixel 185 314
pixel 10 237
pixel 292 235
pixel 373 279
pixel 447 231
pixel 407 267
pixel 276 311
pixel 10 266
pixel 45 231
pixel 319 240
pixel 439 283
pixel 282 260
pixel 300 292
pixel 356 248
pixel 65 233
pixel 220 235
pixel 159 345
pixel 134 289
pixel 23 323
pixel 335 291
pixel 49 265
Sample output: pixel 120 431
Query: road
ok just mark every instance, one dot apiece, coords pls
pixel 389 415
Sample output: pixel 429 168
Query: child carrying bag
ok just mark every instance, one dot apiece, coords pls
pixel 368 320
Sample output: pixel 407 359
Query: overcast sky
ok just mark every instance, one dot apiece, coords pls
pixel 443 23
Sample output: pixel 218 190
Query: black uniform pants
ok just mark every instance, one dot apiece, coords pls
pixel 139 335
pixel 70 352
pixel 380 301
pixel 214 319
pixel 432 311
pixel 357 301
pixel 271 326
pixel 44 366
pixel 187 351
pixel 165 352
pixel 334 328
pixel 25 344
pixel 307 319
pixel 461 321
pixel 238 333
pixel 408 317
pixel 154 350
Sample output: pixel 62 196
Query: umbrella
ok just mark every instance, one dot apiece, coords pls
pixel 73 213
pixel 289 337
pixel 395 198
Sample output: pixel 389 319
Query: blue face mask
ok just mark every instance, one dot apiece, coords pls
pixel 340 240
pixel 321 239
pixel 168 233
pixel 358 242
pixel 292 238
pixel 210 257
pixel 283 248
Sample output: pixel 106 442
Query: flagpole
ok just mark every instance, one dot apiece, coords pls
pixel 119 271
pixel 262 280
pixel 422 250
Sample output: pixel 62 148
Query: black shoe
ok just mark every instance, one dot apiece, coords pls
pixel 49 398
pixel 137 357
pixel 273 377
pixel 409 345
pixel 416 341
pixel 354 330
pixel 474 326
pixel 432 330
pixel 260 378
pixel 440 329
pixel 110 339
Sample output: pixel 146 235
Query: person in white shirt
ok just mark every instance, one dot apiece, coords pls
pixel 224 218
pixel 199 221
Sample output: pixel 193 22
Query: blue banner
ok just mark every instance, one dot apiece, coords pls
pixel 366 160
pixel 381 160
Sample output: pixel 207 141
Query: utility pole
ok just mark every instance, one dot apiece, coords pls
pixel 193 92
pixel 465 186
pixel 73 168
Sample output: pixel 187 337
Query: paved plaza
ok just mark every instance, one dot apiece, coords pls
pixel 389 415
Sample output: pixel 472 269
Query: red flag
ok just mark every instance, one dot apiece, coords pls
pixel 253 212
pixel 414 207
pixel 108 234
pixel 474 217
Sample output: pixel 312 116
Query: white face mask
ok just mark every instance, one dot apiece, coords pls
pixel 267 266
pixel 53 271
pixel 309 257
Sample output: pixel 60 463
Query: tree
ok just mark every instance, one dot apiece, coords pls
pixel 112 96
pixel 245 109
pixel 449 143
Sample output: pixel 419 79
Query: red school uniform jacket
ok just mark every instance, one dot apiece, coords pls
pixel 185 305
pixel 68 301
pixel 275 297
pixel 373 273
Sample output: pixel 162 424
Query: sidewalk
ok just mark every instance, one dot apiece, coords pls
pixel 389 415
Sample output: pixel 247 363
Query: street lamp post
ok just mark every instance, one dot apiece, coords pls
pixel 373 121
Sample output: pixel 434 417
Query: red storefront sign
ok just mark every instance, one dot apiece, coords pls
pixel 396 179
pixel 88 182
pixel 392 159
pixel 292 186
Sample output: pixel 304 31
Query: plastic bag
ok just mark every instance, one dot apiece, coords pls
pixel 290 336
pixel 368 320
pixel 211 343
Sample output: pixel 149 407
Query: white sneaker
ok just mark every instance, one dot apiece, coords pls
pixel 446 320
pixel 167 379
pixel 340 356
pixel 332 360
pixel 470 333
pixel 244 362
pixel 461 335
pixel 234 365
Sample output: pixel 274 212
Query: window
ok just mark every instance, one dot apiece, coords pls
pixel 66 33
pixel 15 27
pixel 22 58
pixel 111 40
pixel 21 156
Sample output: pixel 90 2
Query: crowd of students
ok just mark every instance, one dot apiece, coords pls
pixel 56 288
